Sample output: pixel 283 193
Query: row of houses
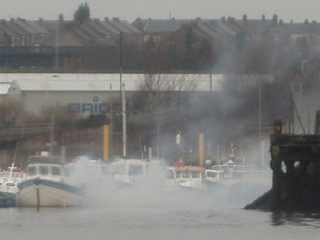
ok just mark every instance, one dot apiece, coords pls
pixel 108 32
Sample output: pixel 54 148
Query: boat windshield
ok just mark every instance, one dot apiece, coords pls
pixel 135 169
pixel 43 170
pixel 212 174
pixel 17 175
pixel 56 171
pixel 32 171
pixel 118 169
pixel 195 174
pixel 10 184
pixel 6 174
pixel 185 174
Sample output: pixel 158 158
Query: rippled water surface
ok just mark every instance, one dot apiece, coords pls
pixel 147 213
pixel 159 217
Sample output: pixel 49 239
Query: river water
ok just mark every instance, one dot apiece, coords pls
pixel 155 215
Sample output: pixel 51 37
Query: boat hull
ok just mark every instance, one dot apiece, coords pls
pixel 46 193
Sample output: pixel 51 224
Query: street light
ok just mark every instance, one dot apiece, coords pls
pixel 178 142
pixel 178 138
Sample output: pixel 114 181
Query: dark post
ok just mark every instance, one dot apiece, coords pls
pixel 277 128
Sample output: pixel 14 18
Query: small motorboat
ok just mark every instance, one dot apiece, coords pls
pixel 47 184
pixel 182 176
pixel 129 171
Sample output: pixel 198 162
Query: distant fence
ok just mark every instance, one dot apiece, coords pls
pixel 20 130
pixel 25 131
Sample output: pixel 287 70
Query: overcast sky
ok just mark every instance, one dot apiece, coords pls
pixel 297 10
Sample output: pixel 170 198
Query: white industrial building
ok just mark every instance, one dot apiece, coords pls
pixel 84 93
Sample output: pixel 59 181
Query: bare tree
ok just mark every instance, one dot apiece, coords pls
pixel 163 90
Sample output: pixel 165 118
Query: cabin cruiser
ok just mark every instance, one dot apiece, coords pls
pixel 181 176
pixel 47 184
pixel 9 180
pixel 129 171
pixel 214 176
pixel 228 173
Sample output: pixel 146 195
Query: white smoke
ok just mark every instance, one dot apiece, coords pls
pixel 102 190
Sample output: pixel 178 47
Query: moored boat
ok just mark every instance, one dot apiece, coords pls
pixel 129 171
pixel 230 172
pixel 181 176
pixel 9 180
pixel 47 185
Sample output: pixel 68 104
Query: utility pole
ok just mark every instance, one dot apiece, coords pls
pixel 56 62
pixel 124 122
pixel 111 121
pixel 120 64
pixel 260 125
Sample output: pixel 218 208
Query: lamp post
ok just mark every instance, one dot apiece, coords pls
pixel 178 142
pixel 120 63
pixel 260 124
pixel 124 122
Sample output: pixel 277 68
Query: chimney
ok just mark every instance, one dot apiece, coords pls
pixel 61 18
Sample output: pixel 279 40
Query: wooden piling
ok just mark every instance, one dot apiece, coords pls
pixel 295 162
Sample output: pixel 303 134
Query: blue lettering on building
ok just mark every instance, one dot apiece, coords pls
pixel 91 108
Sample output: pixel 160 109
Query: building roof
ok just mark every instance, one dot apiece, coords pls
pixel 163 25
pixel 4 88
pixel 62 85
pixel 107 31
pixel 101 82
pixel 39 28
pixel 303 28
pixel 25 25
pixel 109 27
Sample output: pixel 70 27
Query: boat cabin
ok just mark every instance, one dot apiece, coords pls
pixel 185 176
pixel 215 176
pixel 129 171
pixel 47 171
pixel 10 186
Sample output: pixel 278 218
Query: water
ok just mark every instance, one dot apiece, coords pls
pixel 155 217
pixel 146 213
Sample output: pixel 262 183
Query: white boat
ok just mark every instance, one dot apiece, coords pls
pixel 227 174
pixel 214 177
pixel 47 185
pixel 9 181
pixel 129 171
pixel 181 176
pixel 170 179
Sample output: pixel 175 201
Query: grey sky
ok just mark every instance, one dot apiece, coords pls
pixel 297 10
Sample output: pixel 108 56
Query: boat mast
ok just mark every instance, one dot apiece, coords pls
pixel 14 159
pixel 51 141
